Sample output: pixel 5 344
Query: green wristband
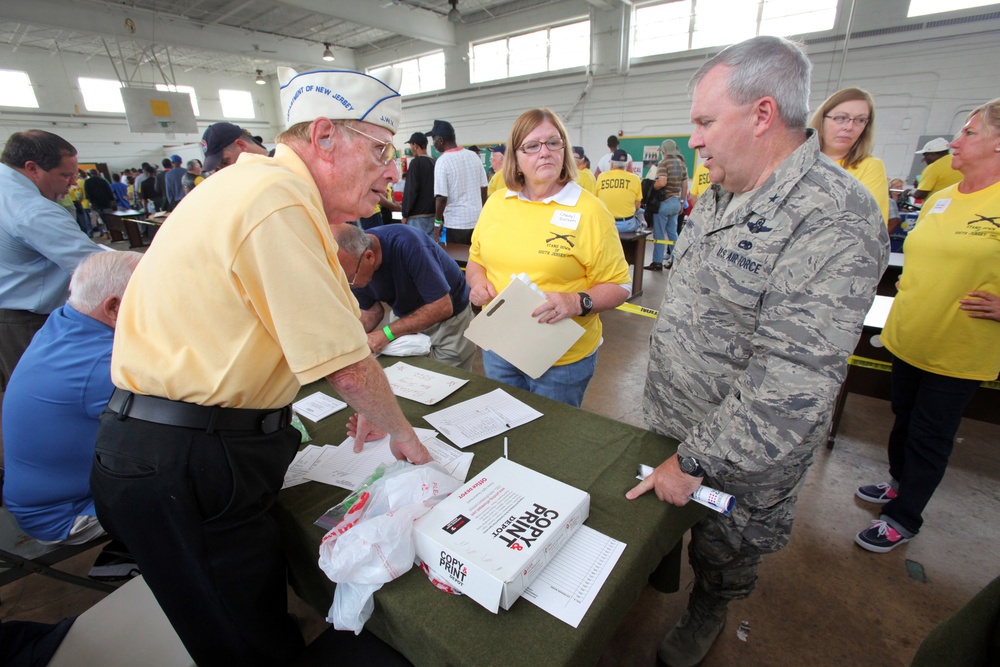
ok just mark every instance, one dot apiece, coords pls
pixel 388 333
pixel 438 223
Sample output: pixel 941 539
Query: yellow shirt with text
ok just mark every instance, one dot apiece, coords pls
pixel 954 249
pixel 620 191
pixel 567 243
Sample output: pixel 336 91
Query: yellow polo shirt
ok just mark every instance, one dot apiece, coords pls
pixel 567 243
pixel 240 299
pixel 620 191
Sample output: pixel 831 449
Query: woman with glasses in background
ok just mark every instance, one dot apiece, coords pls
pixel 563 238
pixel 845 123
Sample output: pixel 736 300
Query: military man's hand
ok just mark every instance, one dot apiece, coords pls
pixel 670 484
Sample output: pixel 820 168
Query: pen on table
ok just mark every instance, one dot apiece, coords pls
pixel 505 446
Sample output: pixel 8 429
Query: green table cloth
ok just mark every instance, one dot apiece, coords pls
pixel 587 451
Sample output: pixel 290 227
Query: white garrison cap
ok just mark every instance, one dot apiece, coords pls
pixel 341 95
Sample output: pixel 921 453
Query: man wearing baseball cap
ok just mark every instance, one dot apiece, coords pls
pixel 194 445
pixel 223 143
pixel 459 185
pixel 418 197
pixel 621 192
pixel 938 174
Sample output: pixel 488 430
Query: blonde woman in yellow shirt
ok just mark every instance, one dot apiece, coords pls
pixel 845 123
pixel 943 330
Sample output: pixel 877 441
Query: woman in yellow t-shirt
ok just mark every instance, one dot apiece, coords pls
pixel 845 123
pixel 943 329
pixel 563 238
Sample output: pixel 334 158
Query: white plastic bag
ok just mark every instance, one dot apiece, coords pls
pixel 373 541
pixel 410 345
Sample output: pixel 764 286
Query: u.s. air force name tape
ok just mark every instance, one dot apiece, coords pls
pixel 638 310
pixel 876 365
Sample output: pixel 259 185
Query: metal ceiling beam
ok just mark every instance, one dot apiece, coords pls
pixel 156 29
pixel 399 19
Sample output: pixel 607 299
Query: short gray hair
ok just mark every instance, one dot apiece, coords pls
pixel 99 276
pixel 766 66
pixel 615 164
pixel 352 239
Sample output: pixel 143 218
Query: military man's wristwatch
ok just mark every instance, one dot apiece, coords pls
pixel 690 466
pixel 586 304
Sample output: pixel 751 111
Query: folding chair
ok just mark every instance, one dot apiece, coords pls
pixel 21 555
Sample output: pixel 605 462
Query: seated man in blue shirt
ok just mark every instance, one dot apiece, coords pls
pixel 52 405
pixel 426 290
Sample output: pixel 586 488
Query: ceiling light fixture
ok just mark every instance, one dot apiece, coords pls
pixel 328 54
pixel 454 15
pixel 260 78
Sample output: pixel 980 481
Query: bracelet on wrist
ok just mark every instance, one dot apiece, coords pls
pixel 388 333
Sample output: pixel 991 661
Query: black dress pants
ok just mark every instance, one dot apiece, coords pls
pixel 194 510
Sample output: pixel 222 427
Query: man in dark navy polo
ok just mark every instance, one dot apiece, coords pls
pixel 404 267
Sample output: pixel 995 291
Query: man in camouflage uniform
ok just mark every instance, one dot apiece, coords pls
pixel 766 300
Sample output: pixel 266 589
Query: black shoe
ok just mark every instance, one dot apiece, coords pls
pixel 654 266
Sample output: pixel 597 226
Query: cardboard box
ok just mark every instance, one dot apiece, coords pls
pixel 491 537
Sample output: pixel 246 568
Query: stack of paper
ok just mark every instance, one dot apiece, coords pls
pixel 340 466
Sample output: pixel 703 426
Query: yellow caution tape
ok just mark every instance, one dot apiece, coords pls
pixel 864 362
pixel 663 242
pixel 874 364
pixel 638 310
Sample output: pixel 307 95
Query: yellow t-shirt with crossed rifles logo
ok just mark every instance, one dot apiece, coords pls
pixel 953 250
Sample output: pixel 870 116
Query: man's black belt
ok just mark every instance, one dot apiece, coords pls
pixel 624 219
pixel 209 418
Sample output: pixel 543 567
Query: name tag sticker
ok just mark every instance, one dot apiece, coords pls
pixel 941 205
pixel 566 219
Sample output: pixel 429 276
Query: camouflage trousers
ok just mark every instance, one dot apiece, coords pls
pixel 725 551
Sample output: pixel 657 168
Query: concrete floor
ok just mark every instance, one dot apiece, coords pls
pixel 820 601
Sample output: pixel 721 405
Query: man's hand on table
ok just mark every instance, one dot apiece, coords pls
pixel 670 484
pixel 362 430
pixel 407 448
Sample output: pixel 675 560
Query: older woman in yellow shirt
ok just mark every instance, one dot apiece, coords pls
pixel 943 330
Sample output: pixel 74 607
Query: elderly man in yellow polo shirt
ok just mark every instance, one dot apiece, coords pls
pixel 219 328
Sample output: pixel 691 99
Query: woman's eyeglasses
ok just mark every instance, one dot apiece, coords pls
pixel 843 120
pixel 388 153
pixel 554 145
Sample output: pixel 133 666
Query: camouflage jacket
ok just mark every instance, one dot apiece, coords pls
pixel 762 308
